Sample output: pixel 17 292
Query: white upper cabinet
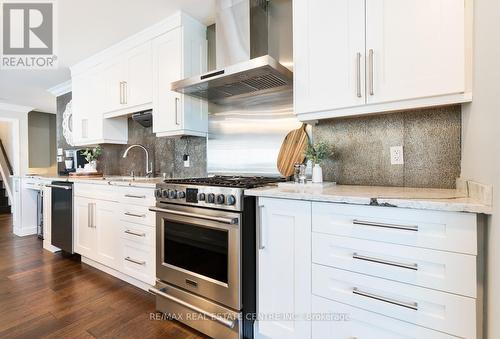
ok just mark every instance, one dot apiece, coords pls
pixel 329 54
pixel 354 57
pixel 417 48
pixel 129 82
pixel 89 126
pixel 178 54
pixel 136 75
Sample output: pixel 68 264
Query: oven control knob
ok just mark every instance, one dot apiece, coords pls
pixel 158 193
pixel 181 195
pixel 201 197
pixel 164 193
pixel 220 199
pixel 211 198
pixel 231 200
pixel 172 194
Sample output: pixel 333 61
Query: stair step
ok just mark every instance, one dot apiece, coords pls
pixel 5 210
pixel 4 201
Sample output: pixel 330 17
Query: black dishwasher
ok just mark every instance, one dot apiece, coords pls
pixel 62 215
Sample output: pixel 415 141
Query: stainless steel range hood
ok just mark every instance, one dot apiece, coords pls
pixel 245 67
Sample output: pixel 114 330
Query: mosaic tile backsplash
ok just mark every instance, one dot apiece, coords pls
pixel 431 139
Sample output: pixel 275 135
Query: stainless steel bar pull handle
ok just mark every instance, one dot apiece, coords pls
pixel 370 61
pixel 358 75
pixel 89 215
pixel 410 305
pixel 135 215
pixel 413 267
pixel 134 233
pixel 121 93
pixel 177 111
pixel 125 94
pixel 138 262
pixel 135 196
pixel 224 220
pixel 219 319
pixel 260 244
pixel 67 188
pixel 385 225
pixel 93 216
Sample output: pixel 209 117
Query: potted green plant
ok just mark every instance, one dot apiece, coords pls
pixel 91 155
pixel 316 154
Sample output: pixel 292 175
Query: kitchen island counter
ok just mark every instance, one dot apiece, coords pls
pixel 415 198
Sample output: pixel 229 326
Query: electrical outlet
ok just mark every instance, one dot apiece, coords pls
pixel 397 157
pixel 187 161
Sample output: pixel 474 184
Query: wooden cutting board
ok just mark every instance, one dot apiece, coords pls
pixel 292 150
pixel 83 175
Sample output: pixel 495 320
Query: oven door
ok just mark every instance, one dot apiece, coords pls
pixel 199 250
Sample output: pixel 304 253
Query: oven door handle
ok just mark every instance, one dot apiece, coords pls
pixel 230 221
pixel 223 321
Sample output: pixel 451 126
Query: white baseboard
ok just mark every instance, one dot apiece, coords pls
pixel 142 285
pixel 22 232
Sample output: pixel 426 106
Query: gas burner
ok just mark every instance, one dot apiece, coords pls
pixel 227 181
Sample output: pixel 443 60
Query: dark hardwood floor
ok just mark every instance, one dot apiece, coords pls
pixel 43 295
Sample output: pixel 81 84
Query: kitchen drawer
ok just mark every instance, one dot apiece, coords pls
pixel 447 231
pixel 445 271
pixel 137 214
pixel 138 234
pixel 95 191
pixel 138 261
pixel 339 321
pixel 136 196
pixel 445 312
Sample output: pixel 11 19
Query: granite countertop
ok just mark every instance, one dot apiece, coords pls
pixel 108 180
pixel 416 198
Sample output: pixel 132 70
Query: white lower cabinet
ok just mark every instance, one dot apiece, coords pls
pixel 333 320
pixel 84 233
pixel 339 271
pixel 106 228
pixel 284 264
pixel 115 234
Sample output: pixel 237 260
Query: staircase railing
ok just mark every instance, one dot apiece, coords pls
pixel 4 153
pixel 6 170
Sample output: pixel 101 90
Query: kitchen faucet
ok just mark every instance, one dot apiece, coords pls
pixel 149 167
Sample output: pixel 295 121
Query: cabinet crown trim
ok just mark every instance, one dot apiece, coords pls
pixel 178 19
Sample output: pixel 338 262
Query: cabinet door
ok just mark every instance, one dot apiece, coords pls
pixel 80 94
pixel 329 54
pixel 87 109
pixel 339 321
pixel 417 47
pixel 284 267
pixel 85 235
pixel 167 66
pixel 107 229
pixel 139 85
pixel 115 82
pixel 16 203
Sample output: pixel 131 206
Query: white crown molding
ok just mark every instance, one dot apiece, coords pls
pixel 144 36
pixel 60 89
pixel 15 108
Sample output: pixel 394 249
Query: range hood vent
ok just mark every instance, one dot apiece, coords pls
pixel 245 67
pixel 256 76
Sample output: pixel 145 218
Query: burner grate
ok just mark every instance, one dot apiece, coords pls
pixel 227 181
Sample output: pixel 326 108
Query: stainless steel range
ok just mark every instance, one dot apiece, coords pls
pixel 205 260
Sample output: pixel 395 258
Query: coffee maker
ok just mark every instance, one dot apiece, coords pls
pixel 73 159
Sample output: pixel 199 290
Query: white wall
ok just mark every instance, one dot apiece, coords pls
pixel 481 141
